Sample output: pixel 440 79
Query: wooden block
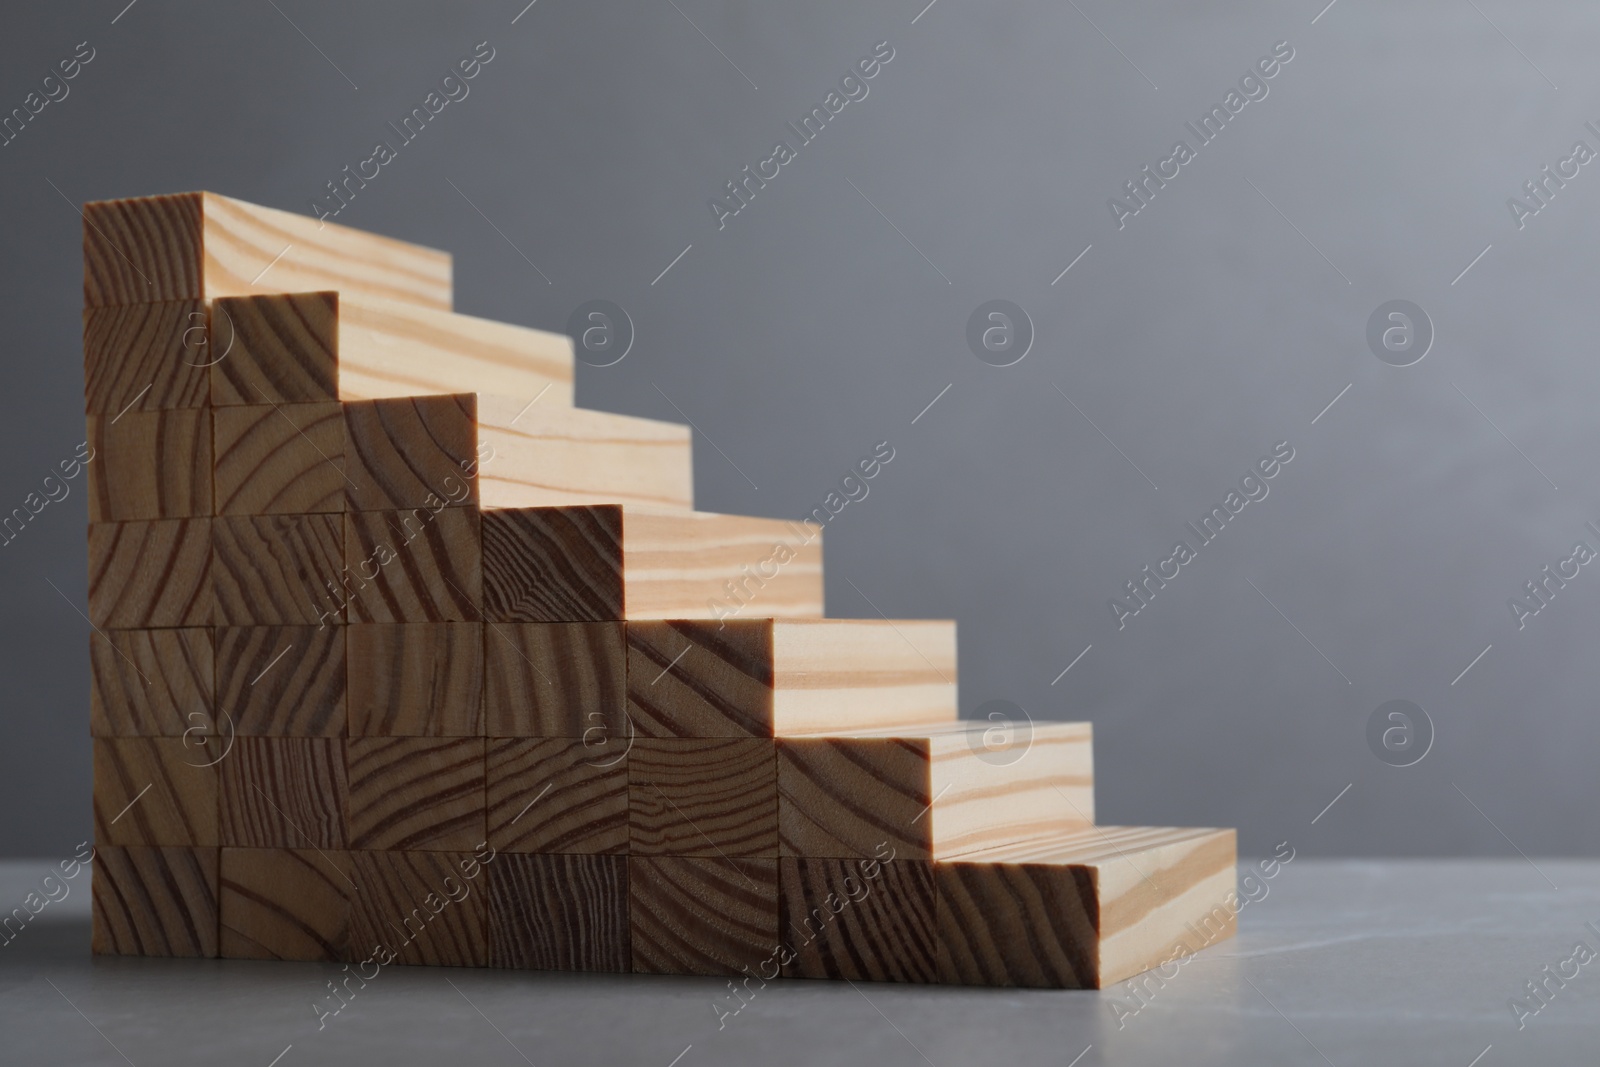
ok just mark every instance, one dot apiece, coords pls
pixel 427 908
pixel 284 792
pixel 303 346
pixel 764 677
pixel 864 920
pixel 420 565
pixel 155 902
pixel 277 569
pixel 201 246
pixel 564 679
pixel 280 459
pixel 415 679
pixel 155 791
pixel 703 797
pixel 150 683
pixel 702 916
pixel 282 681
pixel 146 357
pixel 412 452
pixel 935 791
pixel 559 913
pixel 1085 910
pixel 150 465
pixel 606 562
pixel 557 794
pixel 547 455
pixel 285 904
pixel 415 793
pixel 150 574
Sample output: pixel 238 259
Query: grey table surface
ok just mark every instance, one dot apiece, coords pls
pixel 1341 962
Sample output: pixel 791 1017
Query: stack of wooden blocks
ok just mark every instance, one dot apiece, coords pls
pixel 400 657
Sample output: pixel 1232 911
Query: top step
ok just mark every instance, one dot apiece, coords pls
pixel 198 246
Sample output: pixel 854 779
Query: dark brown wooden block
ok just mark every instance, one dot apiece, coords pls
pixel 282 349
pixel 150 683
pixel 415 679
pixel 285 904
pixel 150 465
pixel 555 680
pixel 691 678
pixel 274 459
pixel 559 913
pixel 150 574
pixel 703 797
pixel 154 791
pixel 284 792
pixel 146 357
pixel 426 908
pixel 412 452
pixel 416 793
pixel 702 916
pixel 282 681
pixel 414 566
pixel 553 564
pixel 155 902
pixel 277 569
pixel 858 919
pixel 557 795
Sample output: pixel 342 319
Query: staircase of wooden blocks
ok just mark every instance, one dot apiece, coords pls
pixel 398 656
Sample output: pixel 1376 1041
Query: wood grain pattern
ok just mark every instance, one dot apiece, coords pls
pixel 417 679
pixel 146 357
pixel 702 916
pixel 284 792
pixel 285 904
pixel 150 465
pixel 1087 909
pixel 559 913
pixel 150 683
pixel 409 452
pixel 703 797
pixel 557 795
pixel 862 920
pixel 555 680
pixel 154 791
pixel 277 569
pixel 935 791
pixel 150 574
pixel 155 902
pixel 602 563
pixel 279 459
pixel 688 678
pixel 279 349
pixel 420 565
pixel 415 793
pixel 201 245
pixel 282 681
pixel 423 907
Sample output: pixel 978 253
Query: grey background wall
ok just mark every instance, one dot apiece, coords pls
pixel 826 316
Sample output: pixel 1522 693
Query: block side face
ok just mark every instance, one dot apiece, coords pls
pixel 1003 783
pixel 282 681
pixel 146 357
pixel 557 795
pixel 688 678
pixel 1018 925
pixel 278 349
pixel 285 904
pixel 277 569
pixel 861 920
pixel 703 797
pixel 421 908
pixel 411 452
pixel 845 674
pixel 847 797
pixel 150 683
pixel 556 680
pixel 702 916
pixel 1188 902
pixel 142 250
pixel 415 793
pixel 150 574
pixel 155 791
pixel 151 465
pixel 280 792
pixel 155 902
pixel 553 564
pixel 419 565
pixel 415 679
pixel 279 459
pixel 559 913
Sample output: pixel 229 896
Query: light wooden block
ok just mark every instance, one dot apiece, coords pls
pixel 279 459
pixel 146 357
pixel 305 346
pixel 557 794
pixel 424 907
pixel 561 679
pixel 282 681
pixel 277 569
pixel 155 791
pixel 202 246
pixel 412 452
pixel 559 913
pixel 702 915
pixel 609 562
pixel 283 792
pixel 285 904
pixel 858 919
pixel 415 793
pixel 1085 910
pixel 155 902
pixel 150 683
pixel 421 565
pixel 150 465
pixel 933 792
pixel 703 797
pixel 150 574
pixel 765 677
pixel 415 679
